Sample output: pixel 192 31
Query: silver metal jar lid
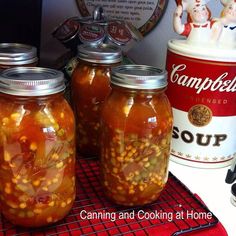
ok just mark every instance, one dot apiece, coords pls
pixel 101 54
pixel 139 77
pixel 17 54
pixel 31 81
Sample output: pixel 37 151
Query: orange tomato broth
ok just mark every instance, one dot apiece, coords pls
pixel 90 87
pixel 37 159
pixel 136 133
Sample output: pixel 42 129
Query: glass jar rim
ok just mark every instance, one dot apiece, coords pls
pixel 17 54
pixel 31 81
pixel 101 54
pixel 139 77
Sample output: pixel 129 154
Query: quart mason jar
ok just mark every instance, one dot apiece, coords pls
pixel 37 147
pixel 136 124
pixel 90 87
pixel 17 54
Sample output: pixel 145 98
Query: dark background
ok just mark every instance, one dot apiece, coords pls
pixel 20 22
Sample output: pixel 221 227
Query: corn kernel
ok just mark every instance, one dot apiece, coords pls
pixel 15 116
pixel 22 187
pixel 147 164
pixel 23 138
pixel 131 191
pixel 7 190
pixel 52 203
pixel 141 188
pixel 36 183
pixel 60 132
pixel 133 150
pixel 120 159
pixel 55 156
pixel 45 188
pixel 37 211
pixel 126 110
pixel 69 200
pixel 25 181
pixel 49 219
pixel 14 180
pixel 5 121
pixel 59 165
pixel 63 204
pixel 33 146
pixel 56 127
pixel 7 156
pixel 22 205
pixel 123 154
pixel 130 154
pixel 55 180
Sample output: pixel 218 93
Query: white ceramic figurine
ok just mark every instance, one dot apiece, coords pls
pixel 228 19
pixel 200 28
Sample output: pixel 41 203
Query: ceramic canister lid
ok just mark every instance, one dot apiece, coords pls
pixel 211 53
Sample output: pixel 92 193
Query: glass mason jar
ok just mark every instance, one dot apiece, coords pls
pixel 37 147
pixel 90 87
pixel 16 54
pixel 136 123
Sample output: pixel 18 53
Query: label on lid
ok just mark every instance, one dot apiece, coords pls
pixel 118 33
pixel 91 33
pixel 67 29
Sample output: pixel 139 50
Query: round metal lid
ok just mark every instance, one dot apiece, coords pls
pixel 139 77
pixel 101 54
pixel 31 81
pixel 17 54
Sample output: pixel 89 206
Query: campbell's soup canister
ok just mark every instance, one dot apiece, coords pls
pixel 201 89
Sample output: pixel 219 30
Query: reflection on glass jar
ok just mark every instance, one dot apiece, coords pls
pixel 16 54
pixel 37 147
pixel 136 133
pixel 90 87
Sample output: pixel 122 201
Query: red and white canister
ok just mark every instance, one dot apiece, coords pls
pixel 202 92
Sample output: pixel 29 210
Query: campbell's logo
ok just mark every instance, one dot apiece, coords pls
pixel 221 83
